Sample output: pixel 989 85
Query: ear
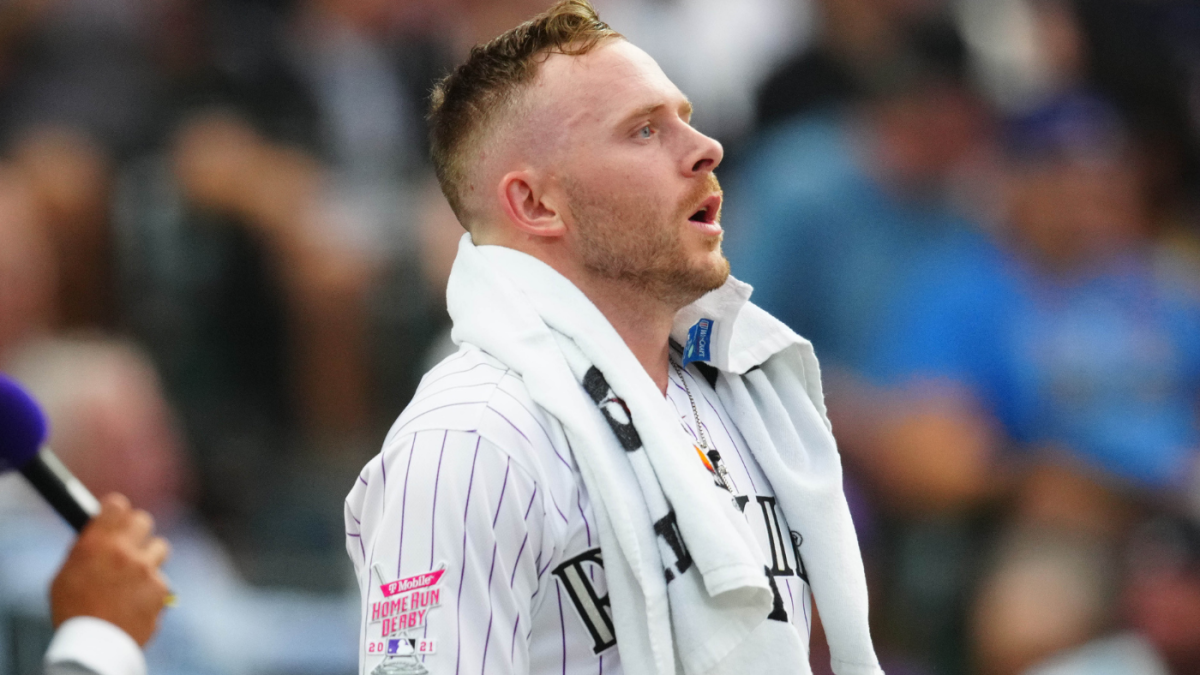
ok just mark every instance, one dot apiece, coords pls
pixel 526 206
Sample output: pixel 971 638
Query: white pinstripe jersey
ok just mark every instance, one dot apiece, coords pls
pixel 474 541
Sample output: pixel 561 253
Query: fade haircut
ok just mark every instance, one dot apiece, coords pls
pixel 469 102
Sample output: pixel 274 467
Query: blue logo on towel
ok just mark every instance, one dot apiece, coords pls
pixel 697 348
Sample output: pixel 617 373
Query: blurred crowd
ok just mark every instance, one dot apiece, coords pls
pixel 223 259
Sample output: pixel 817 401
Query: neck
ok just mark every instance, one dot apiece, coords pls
pixel 643 323
pixel 642 320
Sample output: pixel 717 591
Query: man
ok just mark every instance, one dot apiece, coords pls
pixel 568 493
pixel 106 599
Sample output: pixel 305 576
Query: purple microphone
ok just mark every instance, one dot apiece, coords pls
pixel 22 434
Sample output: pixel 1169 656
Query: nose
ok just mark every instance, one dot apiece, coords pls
pixel 704 156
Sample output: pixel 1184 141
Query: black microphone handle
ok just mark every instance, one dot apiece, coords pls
pixel 62 490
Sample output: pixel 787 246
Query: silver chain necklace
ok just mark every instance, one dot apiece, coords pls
pixel 722 475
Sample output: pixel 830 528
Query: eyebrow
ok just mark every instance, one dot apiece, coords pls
pixel 646 111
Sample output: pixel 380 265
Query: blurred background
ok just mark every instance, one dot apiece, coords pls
pixel 223 260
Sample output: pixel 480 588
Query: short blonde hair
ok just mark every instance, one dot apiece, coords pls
pixel 467 102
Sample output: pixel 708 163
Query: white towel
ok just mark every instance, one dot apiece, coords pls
pixel 711 615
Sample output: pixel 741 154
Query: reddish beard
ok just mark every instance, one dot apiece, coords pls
pixel 634 243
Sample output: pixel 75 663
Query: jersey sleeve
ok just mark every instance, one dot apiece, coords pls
pixel 444 529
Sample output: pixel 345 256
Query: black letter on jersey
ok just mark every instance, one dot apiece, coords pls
pixel 613 409
pixel 797 539
pixel 778 613
pixel 591 608
pixel 668 529
pixel 779 563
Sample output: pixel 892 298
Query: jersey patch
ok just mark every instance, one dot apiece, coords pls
pixel 699 338
pixel 405 606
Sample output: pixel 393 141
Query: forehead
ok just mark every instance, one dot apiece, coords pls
pixel 603 86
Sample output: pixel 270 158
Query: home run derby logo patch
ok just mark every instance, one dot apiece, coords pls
pixel 405 606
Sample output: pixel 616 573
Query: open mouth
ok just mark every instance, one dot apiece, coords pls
pixel 707 214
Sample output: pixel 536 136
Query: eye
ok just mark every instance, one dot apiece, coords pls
pixel 646 132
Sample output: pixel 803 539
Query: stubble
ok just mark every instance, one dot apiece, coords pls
pixel 641 245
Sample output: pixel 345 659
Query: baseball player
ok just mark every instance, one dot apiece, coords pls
pixel 487 536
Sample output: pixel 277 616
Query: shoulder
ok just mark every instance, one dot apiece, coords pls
pixel 474 393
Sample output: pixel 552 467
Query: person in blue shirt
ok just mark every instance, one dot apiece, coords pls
pixel 1063 328
pixel 836 203
pixel 1040 385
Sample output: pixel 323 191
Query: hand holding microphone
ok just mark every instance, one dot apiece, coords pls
pixel 112 571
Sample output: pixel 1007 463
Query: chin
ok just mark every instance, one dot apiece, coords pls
pixel 707 277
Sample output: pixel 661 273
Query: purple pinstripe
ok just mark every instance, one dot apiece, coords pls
pixel 512 648
pixel 463 576
pixel 791 597
pixel 503 487
pixel 436 479
pixel 412 450
pixel 360 544
pixel 579 505
pixel 487 640
pixel 807 622
pixel 516 560
pixel 559 509
pixel 587 529
pixel 538 422
pixel 518 429
pixel 530 507
pixel 562 622
pixel 433 529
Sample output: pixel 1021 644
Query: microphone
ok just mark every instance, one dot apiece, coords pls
pixel 22 434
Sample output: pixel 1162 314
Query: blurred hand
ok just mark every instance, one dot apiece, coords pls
pixel 112 572
pixel 935 450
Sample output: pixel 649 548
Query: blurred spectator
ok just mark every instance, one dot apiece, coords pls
pixel 236 276
pixel 1024 52
pixel 829 209
pixel 28 266
pixel 69 177
pixel 827 213
pixel 859 44
pixel 111 426
pixel 1053 358
pixel 1143 56
pixel 96 66
pixel 1063 331
pixel 269 257
pixel 1048 588
pixel 1160 598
